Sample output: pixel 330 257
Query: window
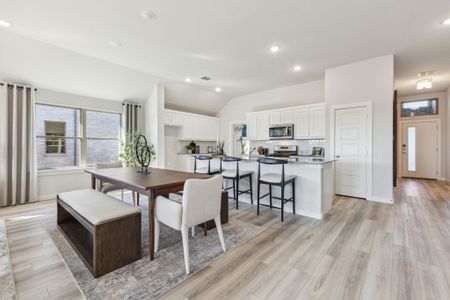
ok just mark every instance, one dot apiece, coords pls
pixel 419 107
pixel 67 137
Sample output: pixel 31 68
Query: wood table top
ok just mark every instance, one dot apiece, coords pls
pixel 158 178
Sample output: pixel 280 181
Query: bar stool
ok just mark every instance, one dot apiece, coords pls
pixel 275 179
pixel 236 175
pixel 205 170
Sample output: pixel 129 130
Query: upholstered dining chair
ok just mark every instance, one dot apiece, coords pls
pixel 106 187
pixel 200 203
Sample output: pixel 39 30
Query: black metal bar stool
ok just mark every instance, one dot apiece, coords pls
pixel 236 175
pixel 205 170
pixel 275 179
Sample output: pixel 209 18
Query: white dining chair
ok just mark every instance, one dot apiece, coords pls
pixel 200 203
pixel 106 187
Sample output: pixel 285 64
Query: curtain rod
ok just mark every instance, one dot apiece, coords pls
pixel 19 86
pixel 124 103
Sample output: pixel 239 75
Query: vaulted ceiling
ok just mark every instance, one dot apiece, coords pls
pixel 229 41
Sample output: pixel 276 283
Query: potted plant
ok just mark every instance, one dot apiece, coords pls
pixel 190 147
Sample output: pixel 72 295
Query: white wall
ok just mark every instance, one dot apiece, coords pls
pixel 369 80
pixel 447 147
pixel 294 95
pixel 442 107
pixel 154 124
pixel 52 182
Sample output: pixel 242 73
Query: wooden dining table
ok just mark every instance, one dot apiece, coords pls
pixel 157 182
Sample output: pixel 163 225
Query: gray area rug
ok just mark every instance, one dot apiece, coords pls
pixel 145 279
pixel 7 286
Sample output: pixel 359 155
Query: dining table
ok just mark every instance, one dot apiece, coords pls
pixel 157 182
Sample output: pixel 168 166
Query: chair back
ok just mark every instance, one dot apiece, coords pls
pixel 272 161
pixel 202 157
pixel 102 165
pixel 230 159
pixel 201 200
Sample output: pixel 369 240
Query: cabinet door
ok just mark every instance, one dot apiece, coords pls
pixel 187 129
pixel 317 122
pixel 167 119
pixel 301 123
pixel 286 117
pixel 263 125
pixel 252 126
pixel 275 118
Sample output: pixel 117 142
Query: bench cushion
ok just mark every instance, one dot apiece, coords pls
pixel 97 207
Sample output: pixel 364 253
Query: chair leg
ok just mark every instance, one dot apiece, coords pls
pixel 293 197
pixel 257 198
pixel 237 193
pixel 234 190
pixel 205 228
pixel 270 195
pixel 137 194
pixel 193 231
pixel 220 232
pixel 156 235
pixel 282 203
pixel 121 195
pixel 133 194
pixel 185 237
pixel 251 189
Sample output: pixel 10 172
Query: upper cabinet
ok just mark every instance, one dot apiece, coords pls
pixel 309 122
pixel 193 126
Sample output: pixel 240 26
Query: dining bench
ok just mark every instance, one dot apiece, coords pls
pixel 104 231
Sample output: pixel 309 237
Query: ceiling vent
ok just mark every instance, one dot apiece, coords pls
pixel 206 78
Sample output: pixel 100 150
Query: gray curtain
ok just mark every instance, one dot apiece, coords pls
pixel 130 116
pixel 18 174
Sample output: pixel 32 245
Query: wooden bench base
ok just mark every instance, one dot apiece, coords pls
pixel 104 247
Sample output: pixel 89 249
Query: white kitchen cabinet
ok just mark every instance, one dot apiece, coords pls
pixel 301 123
pixel 252 126
pixel 287 116
pixel 275 117
pixel 317 122
pixel 263 125
pixel 193 127
pixel 187 131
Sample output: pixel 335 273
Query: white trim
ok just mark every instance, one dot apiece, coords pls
pixel 381 199
pixel 62 171
pixel 369 141
pixel 230 146
pixel 439 145
pixel 309 214
pixel 47 197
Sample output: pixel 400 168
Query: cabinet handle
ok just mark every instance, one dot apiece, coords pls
pixel 338 156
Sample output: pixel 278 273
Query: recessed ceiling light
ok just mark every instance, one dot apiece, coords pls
pixel 446 22
pixel 297 68
pixel 187 79
pixel 4 23
pixel 218 89
pixel 274 49
pixel 115 44
pixel 148 15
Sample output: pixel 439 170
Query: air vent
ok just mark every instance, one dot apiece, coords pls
pixel 206 78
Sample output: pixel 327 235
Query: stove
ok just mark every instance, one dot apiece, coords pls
pixel 283 151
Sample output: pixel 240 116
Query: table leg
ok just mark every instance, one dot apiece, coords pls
pixel 93 182
pixel 151 223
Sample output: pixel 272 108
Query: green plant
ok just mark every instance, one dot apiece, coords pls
pixel 128 149
pixel 190 147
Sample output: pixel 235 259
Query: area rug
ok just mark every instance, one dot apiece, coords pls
pixel 145 279
pixel 7 286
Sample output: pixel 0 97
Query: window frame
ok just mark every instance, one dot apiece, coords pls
pixel 420 100
pixel 82 133
pixel 59 137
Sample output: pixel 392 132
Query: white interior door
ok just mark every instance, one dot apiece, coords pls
pixel 351 152
pixel 420 149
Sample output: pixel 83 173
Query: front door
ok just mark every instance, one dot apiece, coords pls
pixel 420 149
pixel 351 152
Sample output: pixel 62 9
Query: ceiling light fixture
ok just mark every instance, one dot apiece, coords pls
pixel 4 23
pixel 148 15
pixel 297 68
pixel 424 81
pixel 446 22
pixel 218 89
pixel 187 79
pixel 274 49
pixel 115 44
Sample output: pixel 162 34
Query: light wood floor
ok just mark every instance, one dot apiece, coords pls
pixel 362 250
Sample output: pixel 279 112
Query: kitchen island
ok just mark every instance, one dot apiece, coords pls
pixel 313 185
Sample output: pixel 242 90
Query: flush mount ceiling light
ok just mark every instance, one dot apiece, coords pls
pixel 297 68
pixel 218 89
pixel 187 79
pixel 446 22
pixel 4 23
pixel 424 81
pixel 274 48
pixel 148 15
pixel 115 44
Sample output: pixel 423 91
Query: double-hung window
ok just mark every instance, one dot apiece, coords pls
pixel 70 137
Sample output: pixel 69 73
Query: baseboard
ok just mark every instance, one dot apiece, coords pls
pixel 381 199
pixel 46 197
pixel 309 214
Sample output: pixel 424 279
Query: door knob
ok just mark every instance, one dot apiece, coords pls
pixel 338 156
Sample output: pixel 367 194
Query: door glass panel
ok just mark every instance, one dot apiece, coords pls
pixel 412 149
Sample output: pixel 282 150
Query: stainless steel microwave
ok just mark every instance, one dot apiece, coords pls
pixel 281 132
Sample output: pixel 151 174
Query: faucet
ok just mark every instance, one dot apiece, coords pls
pixel 251 151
